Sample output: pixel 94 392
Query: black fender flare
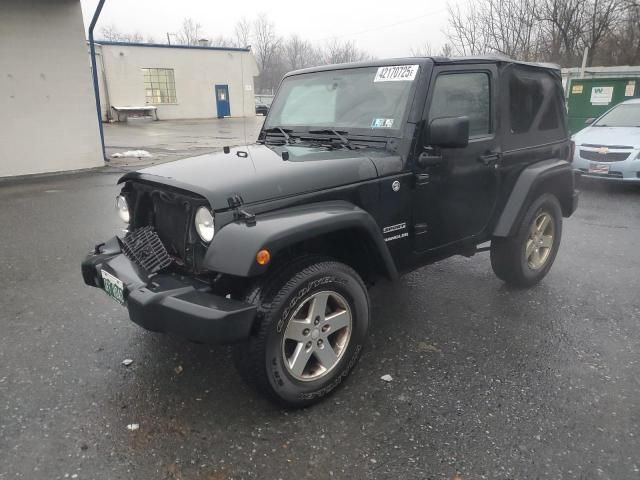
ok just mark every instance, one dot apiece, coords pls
pixel 548 176
pixel 233 249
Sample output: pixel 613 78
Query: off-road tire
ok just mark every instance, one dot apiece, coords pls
pixel 508 255
pixel 260 360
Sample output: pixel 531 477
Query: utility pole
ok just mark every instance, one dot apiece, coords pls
pixel 584 61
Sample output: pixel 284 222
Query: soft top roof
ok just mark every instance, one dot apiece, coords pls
pixel 423 60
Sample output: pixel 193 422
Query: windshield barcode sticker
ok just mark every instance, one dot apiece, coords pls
pixel 398 73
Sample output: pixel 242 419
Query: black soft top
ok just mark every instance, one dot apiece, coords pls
pixel 495 59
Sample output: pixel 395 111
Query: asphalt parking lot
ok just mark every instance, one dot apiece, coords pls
pixel 168 140
pixel 488 382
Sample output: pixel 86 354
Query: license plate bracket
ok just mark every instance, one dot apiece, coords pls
pixel 600 168
pixel 113 287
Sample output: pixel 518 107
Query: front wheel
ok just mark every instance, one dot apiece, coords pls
pixel 313 318
pixel 524 259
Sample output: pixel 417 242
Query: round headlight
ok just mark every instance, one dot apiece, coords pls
pixel 123 208
pixel 204 224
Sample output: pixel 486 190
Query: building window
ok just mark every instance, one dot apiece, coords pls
pixel 159 85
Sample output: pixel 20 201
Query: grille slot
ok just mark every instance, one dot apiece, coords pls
pixel 144 247
pixel 615 147
pixel 603 175
pixel 604 157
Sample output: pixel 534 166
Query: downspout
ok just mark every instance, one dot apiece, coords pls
pixel 107 99
pixel 94 68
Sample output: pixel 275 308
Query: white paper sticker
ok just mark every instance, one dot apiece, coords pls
pixel 397 73
pixel 601 95
pixel 382 123
pixel 630 89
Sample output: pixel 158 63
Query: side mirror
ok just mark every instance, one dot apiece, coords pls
pixel 449 132
pixel 589 121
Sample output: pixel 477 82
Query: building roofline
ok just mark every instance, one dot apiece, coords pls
pixel 164 45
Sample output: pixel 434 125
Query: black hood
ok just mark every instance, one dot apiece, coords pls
pixel 258 173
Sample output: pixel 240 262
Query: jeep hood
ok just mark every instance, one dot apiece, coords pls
pixel 258 173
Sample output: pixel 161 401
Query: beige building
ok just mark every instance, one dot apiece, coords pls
pixel 48 118
pixel 180 81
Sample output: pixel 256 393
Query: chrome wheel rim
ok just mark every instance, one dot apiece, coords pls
pixel 317 335
pixel 540 241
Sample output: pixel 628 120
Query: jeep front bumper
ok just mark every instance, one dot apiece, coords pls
pixel 171 303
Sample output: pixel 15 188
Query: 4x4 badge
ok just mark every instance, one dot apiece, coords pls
pixel 395 186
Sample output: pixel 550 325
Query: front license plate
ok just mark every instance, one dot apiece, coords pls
pixel 113 286
pixel 598 168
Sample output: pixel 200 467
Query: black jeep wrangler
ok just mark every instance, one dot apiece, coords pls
pixel 361 171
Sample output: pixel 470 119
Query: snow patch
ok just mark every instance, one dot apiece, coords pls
pixel 132 154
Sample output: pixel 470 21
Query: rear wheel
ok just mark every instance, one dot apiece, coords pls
pixel 524 259
pixel 313 318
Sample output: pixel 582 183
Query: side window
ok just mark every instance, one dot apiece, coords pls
pixel 457 94
pixel 533 107
pixel 529 93
pixel 525 96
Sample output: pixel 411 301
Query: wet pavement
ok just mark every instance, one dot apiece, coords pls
pixel 488 382
pixel 168 140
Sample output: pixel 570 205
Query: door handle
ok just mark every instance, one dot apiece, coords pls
pixel 489 159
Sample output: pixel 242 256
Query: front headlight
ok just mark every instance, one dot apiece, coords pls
pixel 204 224
pixel 123 208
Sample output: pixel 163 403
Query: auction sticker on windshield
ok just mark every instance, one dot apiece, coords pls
pixel 397 73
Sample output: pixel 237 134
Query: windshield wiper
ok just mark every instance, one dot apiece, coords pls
pixel 338 133
pixel 284 131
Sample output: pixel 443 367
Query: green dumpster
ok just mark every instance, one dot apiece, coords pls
pixel 591 97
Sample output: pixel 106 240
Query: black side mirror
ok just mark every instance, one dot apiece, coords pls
pixel 448 132
pixel 589 121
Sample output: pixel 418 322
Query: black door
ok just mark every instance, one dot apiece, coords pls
pixel 456 195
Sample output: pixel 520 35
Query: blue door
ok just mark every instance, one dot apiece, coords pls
pixel 222 101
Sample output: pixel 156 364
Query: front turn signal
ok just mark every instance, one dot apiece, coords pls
pixel 263 257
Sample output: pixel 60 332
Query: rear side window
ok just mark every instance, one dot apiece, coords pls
pixel 460 94
pixel 526 98
pixel 534 108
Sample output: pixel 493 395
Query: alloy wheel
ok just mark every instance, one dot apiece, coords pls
pixel 317 335
pixel 539 244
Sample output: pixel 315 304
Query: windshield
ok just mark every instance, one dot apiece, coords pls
pixel 621 116
pixel 373 98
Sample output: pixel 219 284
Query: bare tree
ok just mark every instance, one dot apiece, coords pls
pixel 343 52
pixel 298 53
pixel 267 51
pixel 510 28
pixel 424 50
pixel 550 30
pixel 222 41
pixel 465 31
pixel 602 17
pixel 190 32
pixel 446 50
pixel 427 50
pixel 112 33
pixel 505 27
pixel 242 33
pixel 561 22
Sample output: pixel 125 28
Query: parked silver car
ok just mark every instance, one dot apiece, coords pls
pixel 609 148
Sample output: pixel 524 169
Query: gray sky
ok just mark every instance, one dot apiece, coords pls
pixel 384 29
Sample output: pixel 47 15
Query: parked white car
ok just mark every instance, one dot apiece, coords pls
pixel 609 148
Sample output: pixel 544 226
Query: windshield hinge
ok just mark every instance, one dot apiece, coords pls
pixel 235 203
